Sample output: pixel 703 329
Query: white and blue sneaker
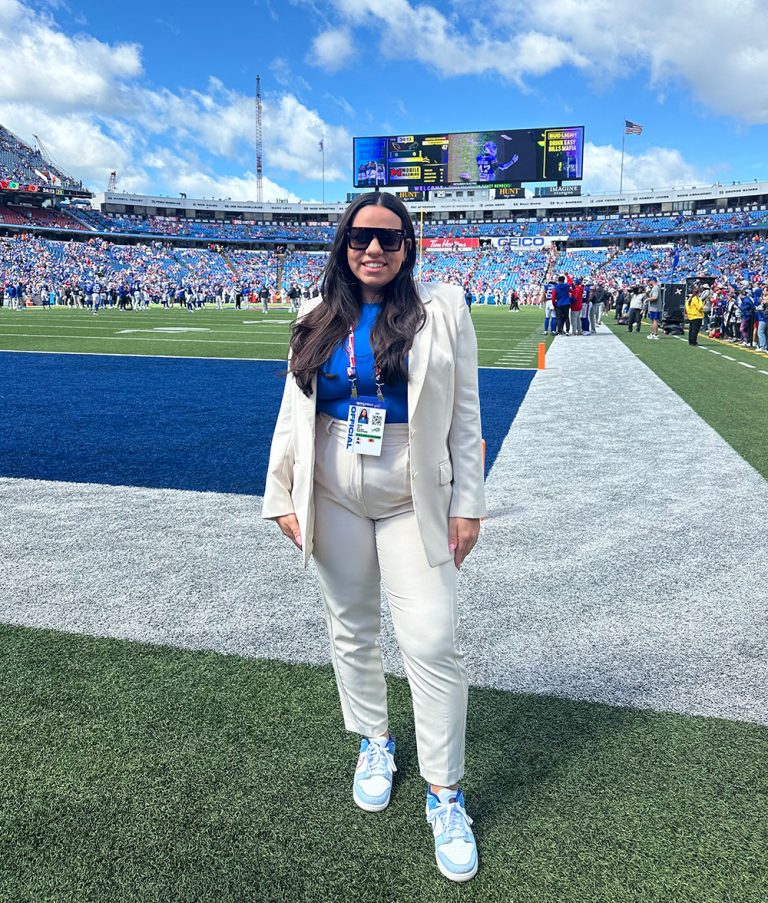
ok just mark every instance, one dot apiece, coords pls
pixel 373 775
pixel 455 847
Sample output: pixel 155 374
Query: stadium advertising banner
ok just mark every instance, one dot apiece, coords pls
pixel 527 242
pixel 12 185
pixel 449 244
pixel 559 191
pixel 505 191
pixel 474 158
pixel 412 195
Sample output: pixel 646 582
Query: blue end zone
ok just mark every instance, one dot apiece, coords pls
pixel 167 423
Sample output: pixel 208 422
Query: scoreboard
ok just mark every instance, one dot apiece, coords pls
pixel 453 159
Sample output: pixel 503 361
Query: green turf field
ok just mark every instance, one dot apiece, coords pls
pixel 505 339
pixel 138 773
pixel 728 389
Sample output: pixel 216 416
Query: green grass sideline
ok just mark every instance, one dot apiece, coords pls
pixel 140 773
pixel 499 332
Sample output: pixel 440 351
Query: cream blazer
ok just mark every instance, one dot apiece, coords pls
pixel 445 438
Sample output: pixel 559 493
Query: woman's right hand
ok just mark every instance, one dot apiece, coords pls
pixel 289 525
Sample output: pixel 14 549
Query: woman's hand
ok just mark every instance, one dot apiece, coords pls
pixel 462 536
pixel 289 524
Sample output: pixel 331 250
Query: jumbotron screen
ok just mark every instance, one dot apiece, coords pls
pixel 474 158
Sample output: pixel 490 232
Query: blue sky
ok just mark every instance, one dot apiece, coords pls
pixel 163 91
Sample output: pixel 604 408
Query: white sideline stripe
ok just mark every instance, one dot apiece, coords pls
pixel 156 324
pixel 165 357
pixel 727 357
pixel 144 337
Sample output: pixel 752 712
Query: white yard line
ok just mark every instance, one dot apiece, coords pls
pixel 141 337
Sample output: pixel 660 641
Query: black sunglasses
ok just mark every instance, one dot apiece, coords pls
pixel 359 237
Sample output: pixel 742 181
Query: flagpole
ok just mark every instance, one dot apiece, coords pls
pixel 623 139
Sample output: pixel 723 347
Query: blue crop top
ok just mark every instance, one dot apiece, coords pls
pixel 333 394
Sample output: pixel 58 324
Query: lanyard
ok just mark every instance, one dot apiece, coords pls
pixel 352 369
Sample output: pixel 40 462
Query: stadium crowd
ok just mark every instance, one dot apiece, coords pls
pixel 21 163
pixel 41 271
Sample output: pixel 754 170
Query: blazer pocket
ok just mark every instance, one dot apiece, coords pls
pixel 446 472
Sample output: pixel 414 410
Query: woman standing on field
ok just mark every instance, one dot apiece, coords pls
pixel 394 502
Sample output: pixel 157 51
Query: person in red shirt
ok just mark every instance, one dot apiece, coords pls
pixel 577 303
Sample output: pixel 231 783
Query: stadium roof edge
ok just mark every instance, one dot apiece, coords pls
pixel 462 200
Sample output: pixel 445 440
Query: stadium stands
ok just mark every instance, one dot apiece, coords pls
pixel 604 229
pixel 22 163
pixel 38 217
pixel 39 263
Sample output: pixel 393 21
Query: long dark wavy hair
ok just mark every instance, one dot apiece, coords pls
pixel 316 336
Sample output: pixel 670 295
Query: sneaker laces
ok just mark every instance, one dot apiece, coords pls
pixel 450 819
pixel 378 759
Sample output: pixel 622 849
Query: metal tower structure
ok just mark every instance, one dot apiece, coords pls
pixel 259 141
pixel 46 154
pixel 112 181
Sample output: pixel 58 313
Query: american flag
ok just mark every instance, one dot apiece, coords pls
pixel 632 128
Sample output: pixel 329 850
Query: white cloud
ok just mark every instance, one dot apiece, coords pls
pixel 715 47
pixel 342 103
pixel 195 182
pixel 332 50
pixel 662 167
pixel 284 75
pixel 89 102
pixel 42 65
pixel 453 48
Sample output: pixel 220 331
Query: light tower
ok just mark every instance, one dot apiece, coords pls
pixel 259 135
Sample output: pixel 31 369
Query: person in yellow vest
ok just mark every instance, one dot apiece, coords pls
pixel 694 310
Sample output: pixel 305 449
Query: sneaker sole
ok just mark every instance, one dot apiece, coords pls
pixel 452 876
pixel 369 807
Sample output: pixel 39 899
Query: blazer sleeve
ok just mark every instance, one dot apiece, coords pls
pixel 277 492
pixel 465 438
pixel 282 455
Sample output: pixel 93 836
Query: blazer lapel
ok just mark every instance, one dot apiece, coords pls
pixel 418 356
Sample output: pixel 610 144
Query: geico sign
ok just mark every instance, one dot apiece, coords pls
pixel 536 242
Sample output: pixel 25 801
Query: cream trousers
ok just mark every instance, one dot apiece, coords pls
pixel 366 538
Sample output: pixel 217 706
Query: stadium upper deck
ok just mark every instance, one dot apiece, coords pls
pixel 464 206
pixel 591 220
pixel 24 169
pixel 661 215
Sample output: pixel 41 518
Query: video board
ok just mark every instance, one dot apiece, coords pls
pixel 469 158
